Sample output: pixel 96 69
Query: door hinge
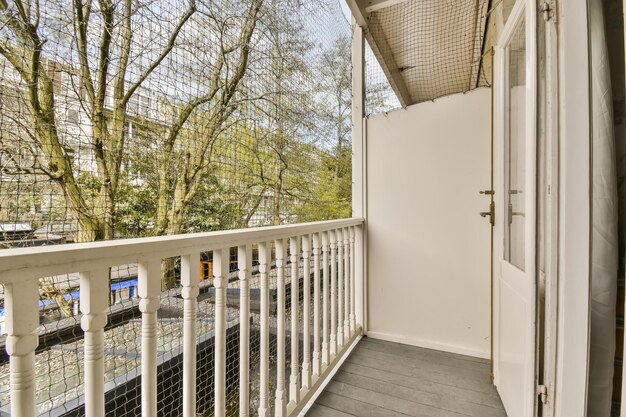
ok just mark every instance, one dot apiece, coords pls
pixel 542 392
pixel 547 10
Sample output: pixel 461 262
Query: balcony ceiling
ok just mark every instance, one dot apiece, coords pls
pixel 427 48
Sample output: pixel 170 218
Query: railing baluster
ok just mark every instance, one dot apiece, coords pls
pixel 316 305
pixel 280 404
pixel 264 257
pixel 149 292
pixel 22 307
pixel 325 350
pixel 294 385
pixel 221 259
pixel 189 279
pixel 306 320
pixel 94 301
pixel 244 263
pixel 340 278
pixel 352 282
pixel 347 285
pixel 333 294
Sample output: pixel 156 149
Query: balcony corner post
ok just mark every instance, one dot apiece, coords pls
pixel 22 306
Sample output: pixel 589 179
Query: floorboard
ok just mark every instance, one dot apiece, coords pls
pixel 384 379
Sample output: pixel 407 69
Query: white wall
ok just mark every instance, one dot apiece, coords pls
pixel 429 250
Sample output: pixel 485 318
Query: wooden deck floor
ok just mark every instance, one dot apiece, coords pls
pixel 383 379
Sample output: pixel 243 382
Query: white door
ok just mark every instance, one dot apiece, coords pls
pixel 514 248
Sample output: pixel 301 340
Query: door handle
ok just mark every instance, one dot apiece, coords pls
pixel 487 192
pixel 491 213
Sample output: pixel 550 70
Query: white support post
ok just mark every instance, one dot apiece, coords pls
pixel 347 285
pixel 333 294
pixel 280 405
pixel 22 308
pixel 264 260
pixel 244 263
pixel 294 385
pixel 359 172
pixel 340 274
pixel 149 291
pixel 352 282
pixel 325 348
pixel 221 258
pixel 359 285
pixel 94 301
pixel 316 306
pixel 306 311
pixel 189 279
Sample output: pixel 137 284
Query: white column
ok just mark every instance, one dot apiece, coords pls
pixel 352 282
pixel 94 301
pixel 347 284
pixel 306 320
pixel 359 284
pixel 340 274
pixel 294 383
pixel 221 259
pixel 22 309
pixel 358 113
pixel 189 279
pixel 149 292
pixel 244 262
pixel 316 306
pixel 325 350
pixel 333 294
pixel 264 259
pixel 280 405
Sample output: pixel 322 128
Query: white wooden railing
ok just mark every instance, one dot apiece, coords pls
pixel 336 249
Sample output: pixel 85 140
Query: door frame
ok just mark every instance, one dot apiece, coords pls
pixel 527 9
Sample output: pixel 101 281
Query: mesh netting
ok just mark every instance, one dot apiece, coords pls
pixel 422 50
pixel 128 118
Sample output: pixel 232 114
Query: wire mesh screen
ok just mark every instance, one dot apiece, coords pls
pixel 123 119
pixel 422 50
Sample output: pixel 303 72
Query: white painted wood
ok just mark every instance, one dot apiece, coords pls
pixel 360 280
pixel 574 209
pixel 325 303
pixel 516 310
pixel 264 260
pixel 352 281
pixel 244 263
pixel 189 280
pixel 333 294
pixel 94 301
pixel 149 289
pixel 317 363
pixel 280 405
pixel 294 381
pixel 306 312
pixel 552 216
pixel 374 5
pixel 340 298
pixel 428 248
pixel 346 284
pixel 22 319
pixel 358 113
pixel 22 340
pixel 221 259
pixel 25 263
